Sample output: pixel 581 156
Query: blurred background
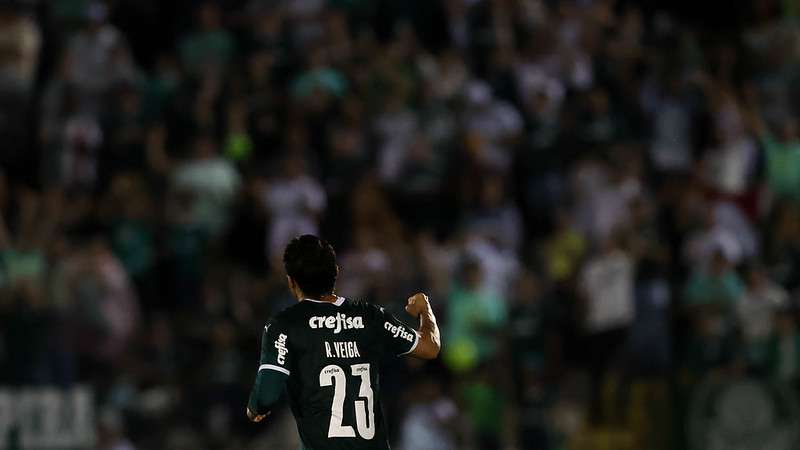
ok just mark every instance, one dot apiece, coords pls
pixel 601 197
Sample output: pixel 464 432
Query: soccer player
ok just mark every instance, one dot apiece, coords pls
pixel 327 351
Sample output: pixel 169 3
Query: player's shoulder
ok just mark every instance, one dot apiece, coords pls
pixel 362 307
pixel 286 317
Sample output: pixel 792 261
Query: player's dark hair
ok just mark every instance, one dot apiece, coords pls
pixel 311 262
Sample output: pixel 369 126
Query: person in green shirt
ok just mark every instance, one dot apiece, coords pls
pixel 484 407
pixel 711 295
pixel 782 158
pixel 781 153
pixel 319 77
pixel 784 346
pixel 717 286
pixel 210 45
pixel 474 315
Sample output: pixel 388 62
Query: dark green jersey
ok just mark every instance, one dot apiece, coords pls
pixel 331 354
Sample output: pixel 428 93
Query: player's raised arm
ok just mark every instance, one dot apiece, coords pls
pixel 402 339
pixel 430 341
pixel 272 373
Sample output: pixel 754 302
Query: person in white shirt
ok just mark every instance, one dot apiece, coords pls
pixel 212 182
pixel 496 122
pixel 756 313
pixel 430 421
pixel 294 201
pixel 607 291
pixel 606 283
pixel 731 165
pixel 100 56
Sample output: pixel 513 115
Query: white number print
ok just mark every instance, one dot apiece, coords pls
pixel 333 375
pixel 365 429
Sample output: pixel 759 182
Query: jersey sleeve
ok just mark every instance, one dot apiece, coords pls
pixel 397 338
pixel 273 369
pixel 275 354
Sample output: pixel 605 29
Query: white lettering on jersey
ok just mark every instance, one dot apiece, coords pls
pixel 280 344
pixel 336 323
pixel 398 332
pixel 347 349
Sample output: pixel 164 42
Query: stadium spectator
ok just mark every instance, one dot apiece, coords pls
pixel 211 183
pixel 294 201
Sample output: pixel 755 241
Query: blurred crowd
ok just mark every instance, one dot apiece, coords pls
pixel 601 198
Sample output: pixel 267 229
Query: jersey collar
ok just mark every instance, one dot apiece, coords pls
pixel 338 302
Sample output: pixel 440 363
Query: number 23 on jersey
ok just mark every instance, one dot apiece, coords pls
pixel 365 413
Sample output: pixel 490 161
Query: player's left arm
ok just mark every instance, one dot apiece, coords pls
pixel 272 372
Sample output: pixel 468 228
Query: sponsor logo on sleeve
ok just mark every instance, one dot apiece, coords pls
pixel 399 332
pixel 280 345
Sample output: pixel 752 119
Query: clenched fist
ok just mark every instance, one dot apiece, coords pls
pixel 417 304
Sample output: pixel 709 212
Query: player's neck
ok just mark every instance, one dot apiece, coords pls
pixel 330 298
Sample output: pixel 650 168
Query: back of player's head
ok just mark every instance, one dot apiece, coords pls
pixel 311 262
